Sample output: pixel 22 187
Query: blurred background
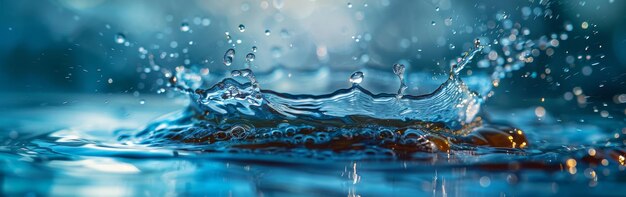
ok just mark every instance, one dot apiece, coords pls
pixel 312 46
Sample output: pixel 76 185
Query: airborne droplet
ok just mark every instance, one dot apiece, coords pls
pixel 250 57
pixel 229 56
pixel 242 28
pixel 356 77
pixel 398 69
pixel 120 38
pixel 267 32
pixel 184 27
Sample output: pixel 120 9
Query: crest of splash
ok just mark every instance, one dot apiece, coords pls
pixel 242 113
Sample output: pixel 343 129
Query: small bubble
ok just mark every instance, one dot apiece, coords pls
pixel 110 80
pixel 284 33
pixel 485 181
pixel 242 28
pixel 229 56
pixel 120 38
pixel 433 23
pixel 584 25
pixel 569 27
pixel 276 52
pixel 184 27
pixel 267 32
pixel 356 77
pixel 437 9
pixel 349 5
pixel 142 101
pixel 13 134
pixel 254 48
pixel 206 22
pixel 250 57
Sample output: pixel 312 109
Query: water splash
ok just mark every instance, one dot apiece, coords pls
pixel 398 69
pixel 233 115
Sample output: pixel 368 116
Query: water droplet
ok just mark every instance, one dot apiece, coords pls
pixel 437 9
pixel 349 5
pixel 476 42
pixel 235 73
pixel 142 101
pixel 184 27
pixel 433 23
pixel 356 77
pixel 250 57
pixel 242 28
pixel 254 49
pixel 110 80
pixel 120 38
pixel 267 32
pixel 229 56
pixel 398 69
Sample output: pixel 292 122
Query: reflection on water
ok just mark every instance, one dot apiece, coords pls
pixel 81 160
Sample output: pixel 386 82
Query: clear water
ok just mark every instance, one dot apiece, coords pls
pixel 237 137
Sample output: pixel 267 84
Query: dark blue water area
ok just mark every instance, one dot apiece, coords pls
pixel 67 145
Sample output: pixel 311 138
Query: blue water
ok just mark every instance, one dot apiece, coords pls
pixel 235 133
pixel 238 139
pixel 71 157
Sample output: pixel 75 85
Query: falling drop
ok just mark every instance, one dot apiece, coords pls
pixel 229 56
pixel 242 28
pixel 267 32
pixel 250 57
pixel 120 38
pixel 398 69
pixel 356 77
pixel 254 49
pixel 184 27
